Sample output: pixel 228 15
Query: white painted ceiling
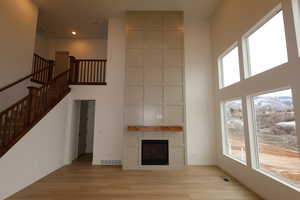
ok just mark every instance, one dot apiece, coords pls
pixel 89 17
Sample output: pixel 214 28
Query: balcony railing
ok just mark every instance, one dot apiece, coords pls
pixel 40 75
pixel 88 71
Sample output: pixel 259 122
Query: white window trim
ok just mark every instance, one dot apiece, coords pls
pixel 251 130
pixel 249 120
pixel 220 64
pixel 296 14
pixel 279 179
pixel 254 142
pixel 245 45
pixel 225 147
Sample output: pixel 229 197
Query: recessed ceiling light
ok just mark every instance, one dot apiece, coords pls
pixel 74 33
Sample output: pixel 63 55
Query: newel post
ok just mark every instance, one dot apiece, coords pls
pixel 33 98
pixel 104 71
pixel 76 71
pixel 72 69
pixel 50 72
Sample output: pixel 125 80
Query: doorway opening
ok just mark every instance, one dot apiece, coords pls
pixel 86 122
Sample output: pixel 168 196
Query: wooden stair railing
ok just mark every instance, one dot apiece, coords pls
pixel 19 118
pixel 38 64
pixel 23 79
pixel 87 71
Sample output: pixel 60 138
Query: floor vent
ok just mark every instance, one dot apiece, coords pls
pixel 226 179
pixel 110 162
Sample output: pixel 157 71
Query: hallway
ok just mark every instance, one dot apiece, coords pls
pixel 83 181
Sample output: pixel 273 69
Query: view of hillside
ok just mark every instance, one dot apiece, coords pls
pixel 274 119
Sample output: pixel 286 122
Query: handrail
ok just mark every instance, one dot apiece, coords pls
pixel 57 77
pixel 19 118
pixel 22 79
pixel 40 57
pixel 12 106
pixel 41 68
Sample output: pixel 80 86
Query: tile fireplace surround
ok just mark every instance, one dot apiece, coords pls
pixel 154 87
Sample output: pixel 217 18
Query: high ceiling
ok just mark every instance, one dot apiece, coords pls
pixel 89 17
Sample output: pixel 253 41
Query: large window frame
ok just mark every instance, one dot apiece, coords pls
pixel 236 93
pixel 225 134
pixel 221 65
pixel 254 138
pixel 296 14
pixel 245 43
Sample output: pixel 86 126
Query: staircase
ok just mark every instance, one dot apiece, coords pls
pixel 23 115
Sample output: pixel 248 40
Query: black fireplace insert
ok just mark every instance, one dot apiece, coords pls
pixel 155 152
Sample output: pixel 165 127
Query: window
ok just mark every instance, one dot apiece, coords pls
pixel 296 12
pixel 230 68
pixel 275 135
pixel 270 136
pixel 234 139
pixel 267 46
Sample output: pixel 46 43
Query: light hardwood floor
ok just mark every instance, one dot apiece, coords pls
pixel 83 181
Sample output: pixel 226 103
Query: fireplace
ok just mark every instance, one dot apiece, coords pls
pixel 155 152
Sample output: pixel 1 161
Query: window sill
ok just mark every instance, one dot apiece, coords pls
pixel 235 159
pixel 278 179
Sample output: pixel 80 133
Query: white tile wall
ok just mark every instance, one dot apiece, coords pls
pixel 154 84
pixel 135 114
pixel 135 57
pixel 173 40
pixel 152 114
pixel 153 58
pixel 154 22
pixel 173 95
pixel 153 39
pixel 135 76
pixel 173 76
pixel 153 75
pixel 173 22
pixel 173 115
pixel 136 21
pixel 173 57
pixel 153 95
pixel 135 95
pixel 135 39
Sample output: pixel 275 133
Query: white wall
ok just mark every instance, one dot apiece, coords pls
pixel 37 154
pixel 80 48
pixel 18 20
pixel 72 134
pixel 109 124
pixel 42 46
pixel 201 145
pixel 231 21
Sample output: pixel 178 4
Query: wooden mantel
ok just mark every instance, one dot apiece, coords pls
pixel 155 128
